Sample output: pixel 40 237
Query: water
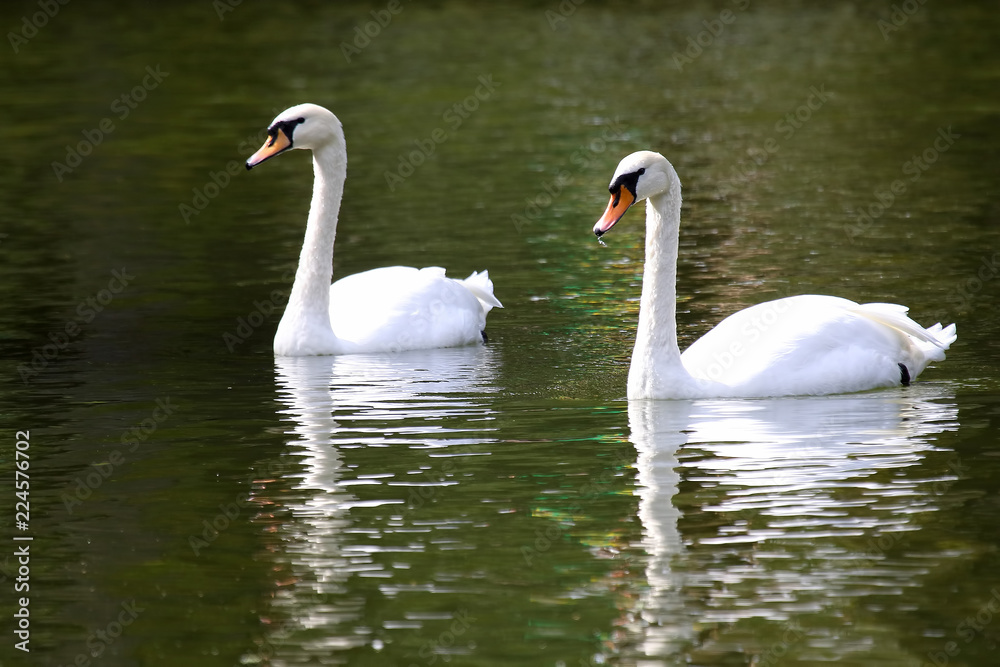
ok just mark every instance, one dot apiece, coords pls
pixel 193 499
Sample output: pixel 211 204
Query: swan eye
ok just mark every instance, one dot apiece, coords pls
pixel 627 181
pixel 286 126
pixel 279 140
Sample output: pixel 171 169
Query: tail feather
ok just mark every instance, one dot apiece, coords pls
pixel 481 286
pixel 894 316
pixel 946 335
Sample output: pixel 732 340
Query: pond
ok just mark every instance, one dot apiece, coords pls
pixel 196 500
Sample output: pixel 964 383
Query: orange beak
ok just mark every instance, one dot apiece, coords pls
pixel 276 143
pixel 620 202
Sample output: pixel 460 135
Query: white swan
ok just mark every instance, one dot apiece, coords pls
pixel 382 310
pixel 799 345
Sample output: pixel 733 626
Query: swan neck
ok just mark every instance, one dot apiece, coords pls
pixel 657 333
pixel 657 370
pixel 311 290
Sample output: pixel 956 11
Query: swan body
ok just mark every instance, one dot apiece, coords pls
pixel 389 309
pixel 800 345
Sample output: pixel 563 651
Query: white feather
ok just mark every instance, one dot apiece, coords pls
pixel 389 309
pixel 799 345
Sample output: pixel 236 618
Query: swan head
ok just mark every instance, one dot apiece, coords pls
pixel 639 176
pixel 307 126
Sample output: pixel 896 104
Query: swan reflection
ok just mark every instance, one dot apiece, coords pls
pixel 353 401
pixel 790 494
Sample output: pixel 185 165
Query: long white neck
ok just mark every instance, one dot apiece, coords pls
pixel 311 290
pixel 656 370
pixel 306 322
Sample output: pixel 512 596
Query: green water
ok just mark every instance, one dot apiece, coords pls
pixel 194 501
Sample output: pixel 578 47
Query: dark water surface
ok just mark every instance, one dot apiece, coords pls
pixel 196 501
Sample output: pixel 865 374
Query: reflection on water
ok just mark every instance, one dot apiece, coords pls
pixel 760 519
pixel 354 401
pixel 796 506
pixel 401 490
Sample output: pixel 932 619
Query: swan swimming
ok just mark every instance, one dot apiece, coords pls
pixel 388 309
pixel 799 345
